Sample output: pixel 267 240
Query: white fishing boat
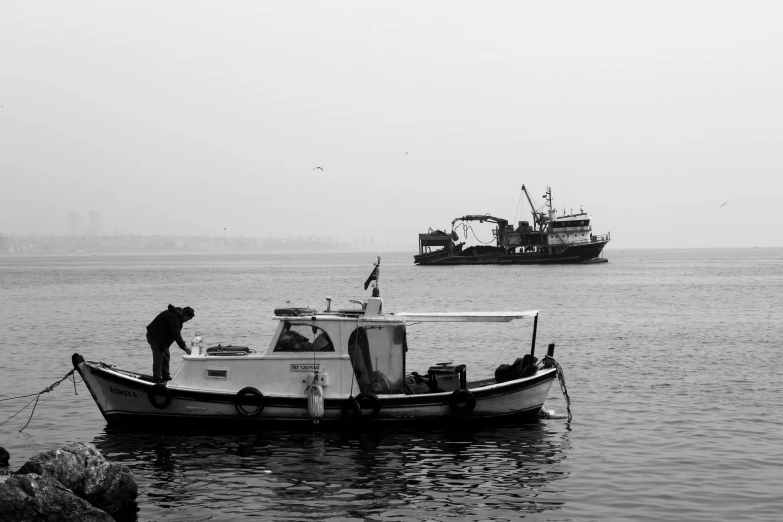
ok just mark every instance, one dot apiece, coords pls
pixel 329 366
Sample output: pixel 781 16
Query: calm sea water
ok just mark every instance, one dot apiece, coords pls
pixel 672 359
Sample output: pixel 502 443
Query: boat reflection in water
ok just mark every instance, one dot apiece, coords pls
pixel 498 473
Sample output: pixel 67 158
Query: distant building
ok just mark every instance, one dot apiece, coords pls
pixel 75 223
pixel 96 223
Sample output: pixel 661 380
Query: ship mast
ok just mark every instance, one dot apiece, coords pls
pixel 548 198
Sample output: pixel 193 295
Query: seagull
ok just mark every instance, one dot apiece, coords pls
pixel 406 153
pixel 723 205
pixel 319 168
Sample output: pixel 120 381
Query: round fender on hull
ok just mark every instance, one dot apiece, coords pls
pixel 157 391
pixel 249 402
pixel 351 410
pixel 462 402
pixel 315 402
pixel 370 401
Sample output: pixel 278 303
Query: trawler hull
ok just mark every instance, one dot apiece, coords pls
pixel 490 255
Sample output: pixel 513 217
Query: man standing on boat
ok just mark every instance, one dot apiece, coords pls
pixel 161 332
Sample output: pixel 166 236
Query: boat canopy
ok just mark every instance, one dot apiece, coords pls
pixel 465 317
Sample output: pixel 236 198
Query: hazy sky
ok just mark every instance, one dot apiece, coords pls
pixel 191 117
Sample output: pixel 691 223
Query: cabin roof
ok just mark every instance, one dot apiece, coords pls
pixel 419 317
pixel 465 317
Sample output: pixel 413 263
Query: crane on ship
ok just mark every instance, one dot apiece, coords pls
pixel 481 218
pixel 500 222
pixel 539 218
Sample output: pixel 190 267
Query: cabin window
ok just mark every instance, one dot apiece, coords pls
pixel 303 338
pixel 378 357
pixel 569 224
pixel 216 373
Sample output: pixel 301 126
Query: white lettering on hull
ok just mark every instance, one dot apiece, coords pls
pixel 304 367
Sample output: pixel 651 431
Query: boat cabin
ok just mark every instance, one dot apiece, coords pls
pixel 363 342
pixel 347 352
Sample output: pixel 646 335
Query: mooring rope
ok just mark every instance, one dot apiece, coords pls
pixel 561 378
pixel 37 397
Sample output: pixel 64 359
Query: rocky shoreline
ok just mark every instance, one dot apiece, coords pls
pixel 74 483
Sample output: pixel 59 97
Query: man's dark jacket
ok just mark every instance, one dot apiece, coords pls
pixel 166 328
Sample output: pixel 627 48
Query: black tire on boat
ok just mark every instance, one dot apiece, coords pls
pixel 159 390
pixel 371 401
pixel 462 402
pixel 249 396
pixel 352 410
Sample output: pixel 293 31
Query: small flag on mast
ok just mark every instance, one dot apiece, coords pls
pixel 374 274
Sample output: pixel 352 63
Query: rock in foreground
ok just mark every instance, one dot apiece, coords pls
pixel 4 456
pixel 81 468
pixel 27 498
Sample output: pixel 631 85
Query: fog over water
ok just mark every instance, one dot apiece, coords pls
pixel 211 118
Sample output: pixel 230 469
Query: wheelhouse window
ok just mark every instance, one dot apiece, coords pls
pixel 378 357
pixel 573 223
pixel 303 338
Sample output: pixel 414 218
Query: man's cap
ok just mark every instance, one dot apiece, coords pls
pixel 188 311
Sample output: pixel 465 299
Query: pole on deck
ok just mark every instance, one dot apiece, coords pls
pixel 533 345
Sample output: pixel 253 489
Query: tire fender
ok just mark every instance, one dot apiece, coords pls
pixel 370 400
pixel 462 402
pixel 351 410
pixel 159 390
pixel 249 396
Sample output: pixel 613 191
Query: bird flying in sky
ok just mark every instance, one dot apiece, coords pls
pixel 723 205
pixel 319 168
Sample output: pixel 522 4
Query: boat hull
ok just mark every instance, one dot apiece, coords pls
pixel 125 398
pixel 572 254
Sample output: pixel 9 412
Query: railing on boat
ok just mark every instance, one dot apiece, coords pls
pixel 593 239
pixel 444 252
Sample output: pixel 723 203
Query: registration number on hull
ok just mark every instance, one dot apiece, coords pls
pixel 304 367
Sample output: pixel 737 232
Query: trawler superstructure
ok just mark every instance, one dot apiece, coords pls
pixel 550 239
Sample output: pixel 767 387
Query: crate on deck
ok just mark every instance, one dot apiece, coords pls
pixel 447 377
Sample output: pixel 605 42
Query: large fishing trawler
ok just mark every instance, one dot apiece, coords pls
pixel 550 239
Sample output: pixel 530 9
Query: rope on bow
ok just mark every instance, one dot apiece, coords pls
pixel 37 397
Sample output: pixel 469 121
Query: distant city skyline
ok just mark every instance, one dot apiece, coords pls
pixel 135 243
pixel 76 226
